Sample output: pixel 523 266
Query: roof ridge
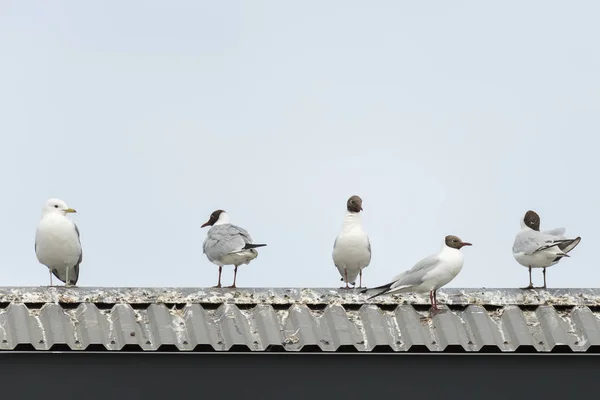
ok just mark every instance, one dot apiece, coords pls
pixel 286 296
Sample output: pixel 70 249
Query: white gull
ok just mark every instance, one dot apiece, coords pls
pixel 352 249
pixel 228 244
pixel 57 243
pixel 535 249
pixel 429 274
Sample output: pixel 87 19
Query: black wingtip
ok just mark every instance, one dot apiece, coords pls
pixel 253 246
pixel 567 245
pixel 384 291
pixel 378 294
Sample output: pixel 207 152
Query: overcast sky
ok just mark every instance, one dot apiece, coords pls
pixel 445 117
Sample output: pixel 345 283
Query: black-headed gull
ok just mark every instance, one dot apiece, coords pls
pixel 535 249
pixel 57 243
pixel 352 249
pixel 227 244
pixel 429 274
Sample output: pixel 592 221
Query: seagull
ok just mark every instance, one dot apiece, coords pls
pixel 535 249
pixel 57 244
pixel 352 249
pixel 227 244
pixel 429 274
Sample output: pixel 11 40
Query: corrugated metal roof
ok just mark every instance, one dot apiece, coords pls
pixel 280 319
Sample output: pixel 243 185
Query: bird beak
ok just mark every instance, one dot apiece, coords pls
pixel 361 208
pixel 204 224
pixel 70 210
pixel 466 244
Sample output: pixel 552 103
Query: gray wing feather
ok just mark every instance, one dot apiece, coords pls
pixel 334 243
pixel 224 239
pixel 415 275
pixel 80 255
pixel 525 242
pixel 243 233
pixel 74 274
pixel 531 241
pixel 76 231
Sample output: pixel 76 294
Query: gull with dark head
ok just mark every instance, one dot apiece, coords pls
pixel 352 249
pixel 57 243
pixel 227 244
pixel 429 274
pixel 535 249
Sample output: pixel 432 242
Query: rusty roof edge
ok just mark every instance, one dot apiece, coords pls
pixel 282 296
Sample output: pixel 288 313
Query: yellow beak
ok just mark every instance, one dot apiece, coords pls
pixel 70 210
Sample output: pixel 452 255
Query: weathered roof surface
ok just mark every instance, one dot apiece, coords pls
pixel 282 319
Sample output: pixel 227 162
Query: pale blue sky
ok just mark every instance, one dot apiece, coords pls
pixel 445 117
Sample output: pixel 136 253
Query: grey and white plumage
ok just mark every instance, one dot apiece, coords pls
pixel 533 248
pixel 429 274
pixel 57 242
pixel 228 244
pixel 352 248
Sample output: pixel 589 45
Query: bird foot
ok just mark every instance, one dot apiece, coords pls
pixel 527 288
pixel 231 287
pixel 435 311
pixel 345 287
pixel 540 287
pixel 360 287
pixel 217 286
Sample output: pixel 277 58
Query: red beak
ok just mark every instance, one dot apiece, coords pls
pixel 204 224
pixel 466 244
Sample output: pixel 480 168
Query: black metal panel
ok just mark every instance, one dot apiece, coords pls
pixel 295 376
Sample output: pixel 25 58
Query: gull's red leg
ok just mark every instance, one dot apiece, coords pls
pixel 234 277
pixel 433 299
pixel 360 282
pixel 220 270
pixel 346 276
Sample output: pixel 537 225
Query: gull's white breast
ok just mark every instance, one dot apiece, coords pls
pixel 351 252
pixel 57 244
pixel 450 265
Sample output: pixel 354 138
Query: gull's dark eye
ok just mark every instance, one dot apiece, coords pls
pixel 55 206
